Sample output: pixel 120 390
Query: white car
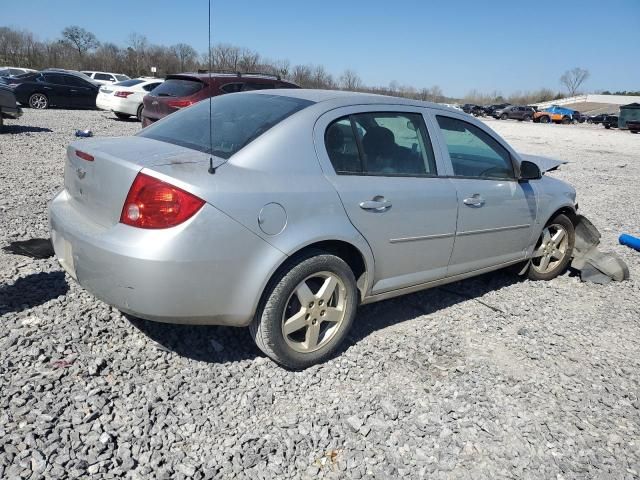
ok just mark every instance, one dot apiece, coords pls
pixel 125 98
pixel 14 71
pixel 106 78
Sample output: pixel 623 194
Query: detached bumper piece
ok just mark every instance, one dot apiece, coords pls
pixel 594 265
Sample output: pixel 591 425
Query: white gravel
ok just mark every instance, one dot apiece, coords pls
pixel 540 380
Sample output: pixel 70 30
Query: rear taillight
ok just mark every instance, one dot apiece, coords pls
pixel 152 203
pixel 84 156
pixel 123 94
pixel 180 103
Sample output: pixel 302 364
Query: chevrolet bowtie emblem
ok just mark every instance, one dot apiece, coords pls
pixel 81 173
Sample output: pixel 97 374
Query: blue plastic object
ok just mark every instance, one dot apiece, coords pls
pixel 630 241
pixel 84 133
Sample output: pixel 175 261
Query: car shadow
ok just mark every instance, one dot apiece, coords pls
pixel 217 344
pixel 125 120
pixel 31 291
pixel 15 129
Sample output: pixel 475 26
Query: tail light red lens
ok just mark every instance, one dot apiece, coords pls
pixel 180 103
pixel 84 156
pixel 152 203
pixel 123 94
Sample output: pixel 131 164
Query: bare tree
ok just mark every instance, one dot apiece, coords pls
pixel 573 79
pixel 186 55
pixel 350 80
pixel 80 38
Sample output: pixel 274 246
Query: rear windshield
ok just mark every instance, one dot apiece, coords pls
pixel 237 121
pixel 178 87
pixel 129 83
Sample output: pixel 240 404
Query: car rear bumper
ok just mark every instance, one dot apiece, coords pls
pixel 208 270
pixel 126 106
pixel 104 102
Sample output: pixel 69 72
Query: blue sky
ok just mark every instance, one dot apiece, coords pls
pixel 502 45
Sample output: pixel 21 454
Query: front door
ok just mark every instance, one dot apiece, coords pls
pixel 496 212
pixel 382 164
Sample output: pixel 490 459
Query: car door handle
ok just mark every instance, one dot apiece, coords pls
pixel 73 90
pixel 378 204
pixel 474 200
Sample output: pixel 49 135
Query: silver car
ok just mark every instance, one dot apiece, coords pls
pixel 297 206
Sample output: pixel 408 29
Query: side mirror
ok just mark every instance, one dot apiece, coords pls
pixel 529 171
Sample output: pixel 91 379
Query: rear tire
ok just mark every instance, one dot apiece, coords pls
pixel 122 116
pixel 554 249
pixel 316 297
pixel 39 101
pixel 527 118
pixel 565 121
pixel 139 112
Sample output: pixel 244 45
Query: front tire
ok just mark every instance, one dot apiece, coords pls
pixel 38 101
pixel 554 249
pixel 527 118
pixel 307 311
pixel 139 113
pixel 545 119
pixel 504 116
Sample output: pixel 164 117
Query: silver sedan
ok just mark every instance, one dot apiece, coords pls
pixel 285 210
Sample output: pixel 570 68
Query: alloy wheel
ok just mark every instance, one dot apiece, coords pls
pixel 314 312
pixel 38 100
pixel 551 249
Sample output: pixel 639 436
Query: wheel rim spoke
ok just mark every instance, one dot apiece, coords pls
pixel 312 335
pixel 304 293
pixel 295 323
pixel 332 315
pixel 328 287
pixel 557 238
pixel 557 254
pixel 544 263
pixel 539 252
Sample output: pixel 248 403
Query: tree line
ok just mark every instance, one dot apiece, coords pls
pixel 79 49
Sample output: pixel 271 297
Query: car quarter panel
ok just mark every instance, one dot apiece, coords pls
pixel 207 270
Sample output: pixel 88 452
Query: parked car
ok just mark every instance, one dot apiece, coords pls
pixel 105 78
pixel 184 89
pixel 610 121
pixel 9 107
pixel 554 114
pixel 473 109
pixel 124 99
pixel 14 71
pixel 515 112
pixel 633 126
pixel 489 110
pixel 315 202
pixel 55 88
pixel 597 119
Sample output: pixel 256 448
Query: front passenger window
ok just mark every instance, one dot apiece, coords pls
pixel 473 152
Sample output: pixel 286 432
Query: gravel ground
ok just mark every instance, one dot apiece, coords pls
pixel 493 377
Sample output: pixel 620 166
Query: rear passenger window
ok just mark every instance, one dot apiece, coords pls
pixel 473 152
pixel 382 143
pixel 231 87
pixel 249 86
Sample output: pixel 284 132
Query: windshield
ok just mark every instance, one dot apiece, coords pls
pixel 121 78
pixel 238 119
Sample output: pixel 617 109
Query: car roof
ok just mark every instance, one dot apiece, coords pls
pixel 345 98
pixel 231 75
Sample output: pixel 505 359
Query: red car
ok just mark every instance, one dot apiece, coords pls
pixel 184 89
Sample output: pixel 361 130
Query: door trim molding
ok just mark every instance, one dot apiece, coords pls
pixel 491 230
pixel 421 237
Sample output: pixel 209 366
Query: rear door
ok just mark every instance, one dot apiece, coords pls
pixel 496 213
pixel 57 90
pixel 381 162
pixel 82 92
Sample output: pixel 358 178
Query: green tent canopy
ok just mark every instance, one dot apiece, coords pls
pixel 627 113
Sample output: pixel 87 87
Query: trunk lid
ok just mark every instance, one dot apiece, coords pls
pixel 99 187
